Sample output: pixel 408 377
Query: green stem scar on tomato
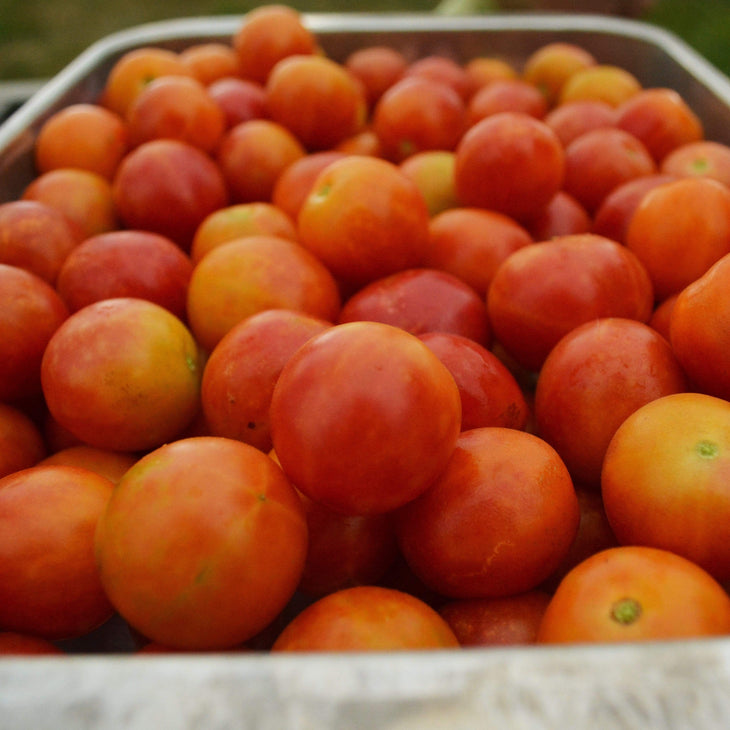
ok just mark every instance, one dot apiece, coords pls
pixel 626 611
pixel 707 449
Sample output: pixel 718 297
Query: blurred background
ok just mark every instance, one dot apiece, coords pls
pixel 39 37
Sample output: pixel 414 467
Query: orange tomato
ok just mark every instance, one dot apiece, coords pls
pixel 366 618
pixel 664 475
pixel 634 593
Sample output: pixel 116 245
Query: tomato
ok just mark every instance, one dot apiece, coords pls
pixel 698 329
pixel 133 70
pixel 364 219
pixel 574 118
pixel 36 237
pixel 600 160
pixel 210 61
pixel 542 291
pixel 237 221
pixel 110 464
pixel 433 173
pixel 550 66
pixel 49 582
pixel 366 618
pixel 268 34
pixel 345 550
pixel 593 378
pixel 168 187
pixel 316 99
pixel 387 434
pixel 704 158
pixel 84 197
pixel 240 374
pixel 202 543
pixel 497 521
pixel 696 209
pixel 661 119
pixel 176 107
pixel 507 95
pixel 376 68
pixel 419 301
pixel 600 82
pixel 471 243
pixel 240 99
pixel 22 444
pixel 126 264
pixel 250 274
pixel 12 642
pixel 82 135
pixel 31 313
pixel 664 475
pixel 490 394
pixel 122 374
pixel 417 114
pixel 252 155
pixel 633 593
pixel 509 162
pixel 506 621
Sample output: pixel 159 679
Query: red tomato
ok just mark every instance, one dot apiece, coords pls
pixel 389 430
pixel 596 376
pixel 497 521
pixel 49 582
pixel 544 290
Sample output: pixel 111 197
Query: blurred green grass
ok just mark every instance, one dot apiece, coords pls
pixel 39 37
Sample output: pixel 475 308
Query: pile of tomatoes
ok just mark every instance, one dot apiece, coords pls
pixel 379 353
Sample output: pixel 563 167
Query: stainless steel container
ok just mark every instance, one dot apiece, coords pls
pixel 677 684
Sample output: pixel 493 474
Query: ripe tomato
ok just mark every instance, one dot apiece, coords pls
pixel 417 114
pixel 542 291
pixel 503 621
pixel 242 369
pixel 202 543
pixel 36 237
pixel 698 329
pixel 689 209
pixel 21 441
pixel 471 243
pixel 419 301
pixel 251 274
pixel 266 35
pixel 110 464
pixel 12 642
pixel 509 162
pixel 126 264
pixel 388 432
pixel 49 582
pixel 490 394
pixel 237 221
pixel 85 136
pixel 664 476
pixel 31 313
pixel 345 550
pixel 364 219
pixel 551 65
pixel 316 99
pixel 137 384
pixel 593 378
pixel 498 520
pixel 366 618
pixel 633 593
